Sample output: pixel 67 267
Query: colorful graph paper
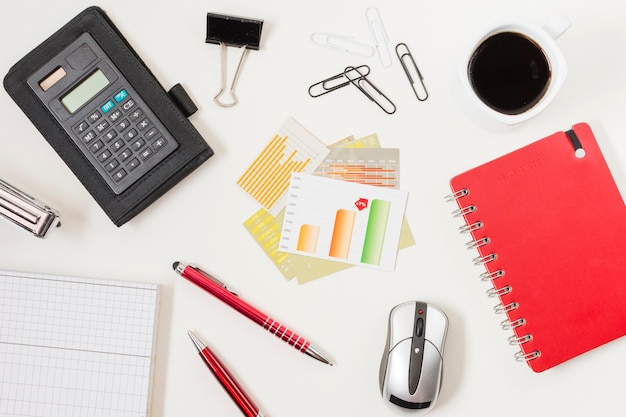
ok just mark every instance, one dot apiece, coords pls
pixel 75 347
pixel 377 167
pixel 343 221
pixel 265 228
pixel 293 149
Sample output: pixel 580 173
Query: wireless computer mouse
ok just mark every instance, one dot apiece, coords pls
pixel 412 365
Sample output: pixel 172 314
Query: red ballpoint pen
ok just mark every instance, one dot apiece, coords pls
pixel 221 291
pixel 225 378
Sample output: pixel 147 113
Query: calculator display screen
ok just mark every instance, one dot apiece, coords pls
pixel 85 91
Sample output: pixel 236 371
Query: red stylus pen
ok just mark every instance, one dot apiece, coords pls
pixel 221 291
pixel 225 378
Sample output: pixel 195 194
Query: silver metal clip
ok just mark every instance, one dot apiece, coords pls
pixel 223 71
pixel 336 81
pixel 370 90
pixel 342 43
pixel 215 280
pixel 412 72
pixel 26 211
pixel 379 35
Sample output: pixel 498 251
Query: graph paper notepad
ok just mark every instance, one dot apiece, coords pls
pixel 75 347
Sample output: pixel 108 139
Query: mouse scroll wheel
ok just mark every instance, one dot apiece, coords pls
pixel 419 327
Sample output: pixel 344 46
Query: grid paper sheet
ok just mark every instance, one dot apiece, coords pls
pixel 74 347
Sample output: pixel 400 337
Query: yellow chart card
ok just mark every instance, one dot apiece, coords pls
pixel 265 229
pixel 293 149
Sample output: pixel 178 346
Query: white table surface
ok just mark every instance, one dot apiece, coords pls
pixel 344 314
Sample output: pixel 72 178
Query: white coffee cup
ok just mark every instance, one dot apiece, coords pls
pixel 486 110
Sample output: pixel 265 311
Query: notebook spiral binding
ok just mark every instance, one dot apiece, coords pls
pixel 494 292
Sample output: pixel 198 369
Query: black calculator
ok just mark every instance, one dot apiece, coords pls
pixel 103 114
pixel 93 99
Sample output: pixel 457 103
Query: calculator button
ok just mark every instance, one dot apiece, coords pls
pixel 159 143
pixel 89 136
pixel 130 135
pixel 151 134
pixel 123 125
pixel 112 164
pixel 120 175
pixel 134 163
pixel 94 117
pixel 121 96
pixel 136 145
pixel 107 107
pixel 146 153
pixel 128 105
pixel 96 146
pixel 143 124
pixel 125 154
pixel 108 136
pixel 102 157
pixel 102 126
pixel 136 115
pixel 119 144
pixel 81 127
pixel 115 115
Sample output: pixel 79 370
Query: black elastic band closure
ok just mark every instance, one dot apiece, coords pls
pixel 182 100
pixel 578 147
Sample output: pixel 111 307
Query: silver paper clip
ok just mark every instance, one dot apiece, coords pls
pixel 336 81
pixel 370 90
pixel 342 43
pixel 379 35
pixel 412 72
pixel 26 211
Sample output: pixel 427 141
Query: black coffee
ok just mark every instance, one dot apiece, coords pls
pixel 509 72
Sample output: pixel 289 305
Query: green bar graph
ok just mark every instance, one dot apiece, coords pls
pixel 375 232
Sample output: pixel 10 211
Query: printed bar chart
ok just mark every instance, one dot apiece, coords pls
pixel 375 232
pixel 307 240
pixel 343 221
pixel 342 234
pixel 293 149
pixel 275 162
pixel 377 167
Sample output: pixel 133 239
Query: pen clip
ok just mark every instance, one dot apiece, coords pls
pixel 215 280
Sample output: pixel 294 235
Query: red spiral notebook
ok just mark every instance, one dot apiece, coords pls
pixel 549 225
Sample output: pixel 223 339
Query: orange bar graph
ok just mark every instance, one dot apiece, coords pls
pixel 307 240
pixel 293 149
pixel 342 234
pixel 262 175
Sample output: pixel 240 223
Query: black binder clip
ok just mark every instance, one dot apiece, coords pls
pixel 234 31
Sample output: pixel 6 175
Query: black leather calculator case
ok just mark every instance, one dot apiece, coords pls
pixel 172 109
